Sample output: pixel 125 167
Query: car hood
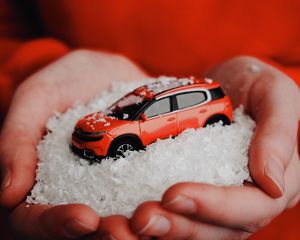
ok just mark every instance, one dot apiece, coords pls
pixel 97 122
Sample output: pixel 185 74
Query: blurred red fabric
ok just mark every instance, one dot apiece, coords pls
pixel 164 37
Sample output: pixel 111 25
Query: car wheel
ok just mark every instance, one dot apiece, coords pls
pixel 119 149
pixel 217 118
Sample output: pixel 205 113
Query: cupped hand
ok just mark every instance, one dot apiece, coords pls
pixel 202 211
pixel 79 76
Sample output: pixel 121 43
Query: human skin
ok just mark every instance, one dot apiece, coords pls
pixel 187 210
pixel 202 211
pixel 79 76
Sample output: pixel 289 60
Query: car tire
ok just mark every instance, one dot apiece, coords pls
pixel 119 148
pixel 217 118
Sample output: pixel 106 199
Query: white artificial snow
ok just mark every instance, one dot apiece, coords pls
pixel 208 80
pixel 216 155
pixel 125 116
pixel 129 100
pixel 164 83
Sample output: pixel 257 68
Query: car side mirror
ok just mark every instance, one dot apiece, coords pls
pixel 143 117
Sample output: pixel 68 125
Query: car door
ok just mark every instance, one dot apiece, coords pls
pixel 192 110
pixel 160 122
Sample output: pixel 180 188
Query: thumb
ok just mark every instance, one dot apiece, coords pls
pixel 274 141
pixel 20 134
pixel 18 166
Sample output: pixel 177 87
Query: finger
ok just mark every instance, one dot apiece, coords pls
pixel 238 204
pixel 18 141
pixel 116 227
pixel 247 208
pixel 273 105
pixel 150 219
pixel 59 222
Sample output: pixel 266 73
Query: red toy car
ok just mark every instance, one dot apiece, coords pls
pixel 154 111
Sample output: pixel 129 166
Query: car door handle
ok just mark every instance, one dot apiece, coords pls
pixel 171 119
pixel 203 111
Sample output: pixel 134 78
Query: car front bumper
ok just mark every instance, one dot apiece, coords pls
pixel 87 154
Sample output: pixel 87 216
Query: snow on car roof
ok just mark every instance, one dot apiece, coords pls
pixel 167 83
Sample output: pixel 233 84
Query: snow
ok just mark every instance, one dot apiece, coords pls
pixel 208 80
pixel 125 116
pixel 130 100
pixel 216 155
pixel 164 83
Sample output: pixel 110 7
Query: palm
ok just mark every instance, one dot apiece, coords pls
pixel 200 211
pixel 79 76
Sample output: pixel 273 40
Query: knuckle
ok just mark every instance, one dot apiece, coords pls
pixel 76 57
pixel 78 54
pixel 175 190
pixel 84 54
pixel 141 216
pixel 146 209
pixel 246 59
pixel 145 205
pixel 123 60
pixel 179 186
pixel 96 58
pixel 248 64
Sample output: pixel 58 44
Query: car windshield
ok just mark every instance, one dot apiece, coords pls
pixel 127 107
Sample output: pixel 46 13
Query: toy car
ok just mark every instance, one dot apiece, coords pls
pixel 158 110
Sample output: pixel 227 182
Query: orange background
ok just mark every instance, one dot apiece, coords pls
pixel 164 37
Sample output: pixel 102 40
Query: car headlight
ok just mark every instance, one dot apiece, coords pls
pixel 98 133
pixel 93 133
pixel 80 131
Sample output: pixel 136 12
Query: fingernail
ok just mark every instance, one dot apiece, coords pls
pixel 75 228
pixel 158 225
pixel 182 204
pixel 275 171
pixel 6 180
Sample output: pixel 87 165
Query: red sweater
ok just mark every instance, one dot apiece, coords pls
pixel 165 37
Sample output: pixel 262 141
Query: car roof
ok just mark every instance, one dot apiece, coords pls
pixel 167 85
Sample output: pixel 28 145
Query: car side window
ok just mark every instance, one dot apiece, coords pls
pixel 216 93
pixel 159 107
pixel 185 100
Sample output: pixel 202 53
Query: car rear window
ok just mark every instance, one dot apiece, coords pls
pixel 216 93
pixel 185 100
